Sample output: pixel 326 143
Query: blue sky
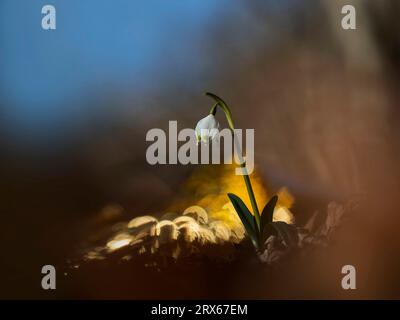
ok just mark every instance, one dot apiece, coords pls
pixel 97 43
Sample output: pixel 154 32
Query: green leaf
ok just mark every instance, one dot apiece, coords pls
pixel 268 211
pixel 287 232
pixel 246 217
pixel 266 218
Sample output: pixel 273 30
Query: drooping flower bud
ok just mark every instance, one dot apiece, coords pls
pixel 207 129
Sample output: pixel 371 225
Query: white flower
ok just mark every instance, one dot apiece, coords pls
pixel 207 129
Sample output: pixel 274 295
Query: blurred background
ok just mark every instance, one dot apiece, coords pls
pixel 76 103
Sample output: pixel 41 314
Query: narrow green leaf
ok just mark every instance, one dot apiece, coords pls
pixel 268 211
pixel 287 232
pixel 266 218
pixel 246 217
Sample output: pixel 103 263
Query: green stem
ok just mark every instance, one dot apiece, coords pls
pixel 228 114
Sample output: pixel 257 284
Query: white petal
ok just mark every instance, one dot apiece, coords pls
pixel 206 129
